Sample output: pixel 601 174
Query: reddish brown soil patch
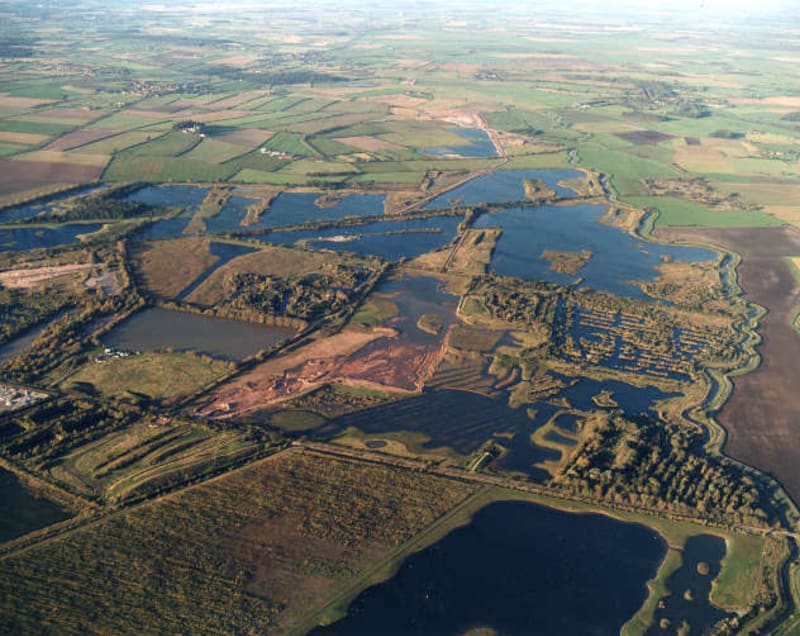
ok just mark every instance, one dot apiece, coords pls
pixel 18 176
pixel 761 417
pixel 644 137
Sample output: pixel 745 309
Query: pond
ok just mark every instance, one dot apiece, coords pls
pixel 21 512
pixel 517 568
pixel 616 258
pixel 157 329
pixel 504 185
pixel 690 586
pixel 294 208
pixel 29 238
pixel 391 240
pixel 479 145
pixel 170 196
pixel 44 205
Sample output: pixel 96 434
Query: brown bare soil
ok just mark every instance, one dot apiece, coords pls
pixel 80 138
pixel 368 144
pixel 761 417
pixel 287 376
pixel 19 176
pixel 9 101
pixel 26 278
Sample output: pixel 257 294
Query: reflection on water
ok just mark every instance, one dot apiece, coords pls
pixel 158 329
pixel 29 238
pixel 517 568
pixel 617 258
pixel 504 185
pixel 480 145
pixel 391 240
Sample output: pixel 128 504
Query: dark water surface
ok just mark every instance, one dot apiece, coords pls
pixel 29 238
pixel 521 569
pixel 505 185
pixel 157 329
pixel 694 607
pixel 391 240
pixel 480 145
pixel 21 512
pixel 617 259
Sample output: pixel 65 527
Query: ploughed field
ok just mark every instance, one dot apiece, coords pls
pixel 761 415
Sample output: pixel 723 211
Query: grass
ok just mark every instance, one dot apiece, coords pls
pixel 680 212
pixel 172 144
pixel 155 375
pixel 291 143
pixel 164 170
pixel 126 462
pixel 625 170
pixel 167 267
pixel 50 129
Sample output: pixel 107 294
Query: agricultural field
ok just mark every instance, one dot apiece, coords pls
pixel 310 316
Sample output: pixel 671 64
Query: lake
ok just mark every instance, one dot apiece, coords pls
pixel 479 145
pixel 391 240
pixel 293 208
pixel 157 329
pixel 517 568
pixel 44 205
pixel 504 185
pixel 617 258
pixel 29 238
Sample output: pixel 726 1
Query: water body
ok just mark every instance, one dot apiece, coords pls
pixel 170 196
pixel 294 208
pixel 624 356
pixel 23 342
pixel 617 257
pixel 417 296
pixel 480 145
pixel 391 240
pixel 21 512
pixel 518 568
pixel 633 400
pixel 505 185
pixel 29 238
pixel 694 607
pixel 157 329
pixel 225 252
pixel 44 205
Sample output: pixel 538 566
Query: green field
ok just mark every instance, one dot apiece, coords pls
pixel 154 375
pixel 674 211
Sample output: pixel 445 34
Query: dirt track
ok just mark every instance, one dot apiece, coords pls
pixel 762 417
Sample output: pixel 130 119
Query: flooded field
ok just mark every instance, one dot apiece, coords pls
pixel 44 205
pixel 294 208
pixel 479 145
pixel 158 329
pixel 690 586
pixel 171 196
pixel 30 238
pixel 391 240
pixel 615 261
pixel 504 185
pixel 21 512
pixel 517 568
